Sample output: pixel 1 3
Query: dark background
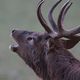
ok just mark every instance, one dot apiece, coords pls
pixel 21 14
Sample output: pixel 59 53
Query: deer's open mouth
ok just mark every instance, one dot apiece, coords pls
pixel 14 46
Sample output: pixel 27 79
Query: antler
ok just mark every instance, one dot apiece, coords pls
pixel 63 12
pixel 62 15
pixel 50 17
pixel 60 32
pixel 41 19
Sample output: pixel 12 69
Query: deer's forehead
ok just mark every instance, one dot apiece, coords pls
pixel 36 34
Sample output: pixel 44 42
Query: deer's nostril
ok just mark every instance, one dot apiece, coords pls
pixel 13 30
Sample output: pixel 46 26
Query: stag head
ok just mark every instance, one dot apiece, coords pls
pixel 32 47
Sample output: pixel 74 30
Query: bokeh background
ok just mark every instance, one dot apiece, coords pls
pixel 21 14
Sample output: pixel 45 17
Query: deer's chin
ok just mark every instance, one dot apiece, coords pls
pixel 14 47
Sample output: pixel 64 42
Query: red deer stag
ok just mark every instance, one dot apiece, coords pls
pixel 47 52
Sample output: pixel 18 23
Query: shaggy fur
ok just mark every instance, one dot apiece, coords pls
pixel 48 57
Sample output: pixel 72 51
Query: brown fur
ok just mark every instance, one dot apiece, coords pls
pixel 48 57
pixel 47 53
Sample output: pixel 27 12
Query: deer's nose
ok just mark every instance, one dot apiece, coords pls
pixel 13 30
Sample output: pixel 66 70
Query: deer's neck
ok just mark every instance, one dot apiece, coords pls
pixel 59 61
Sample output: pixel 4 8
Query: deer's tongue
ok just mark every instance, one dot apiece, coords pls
pixel 13 47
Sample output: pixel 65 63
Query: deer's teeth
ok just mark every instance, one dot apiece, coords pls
pixel 10 47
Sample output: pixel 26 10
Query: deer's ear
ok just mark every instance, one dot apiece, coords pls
pixel 48 46
pixel 68 44
pixel 50 43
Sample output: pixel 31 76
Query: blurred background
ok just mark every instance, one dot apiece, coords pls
pixel 21 14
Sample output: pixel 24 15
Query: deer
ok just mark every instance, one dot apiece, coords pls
pixel 47 53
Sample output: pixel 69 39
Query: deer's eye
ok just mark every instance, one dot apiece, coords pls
pixel 29 38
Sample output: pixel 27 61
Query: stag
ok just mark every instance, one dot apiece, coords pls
pixel 47 52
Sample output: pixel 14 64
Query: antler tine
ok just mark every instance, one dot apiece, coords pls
pixel 62 14
pixel 65 11
pixel 41 19
pixel 62 19
pixel 70 33
pixel 50 17
pixel 73 31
